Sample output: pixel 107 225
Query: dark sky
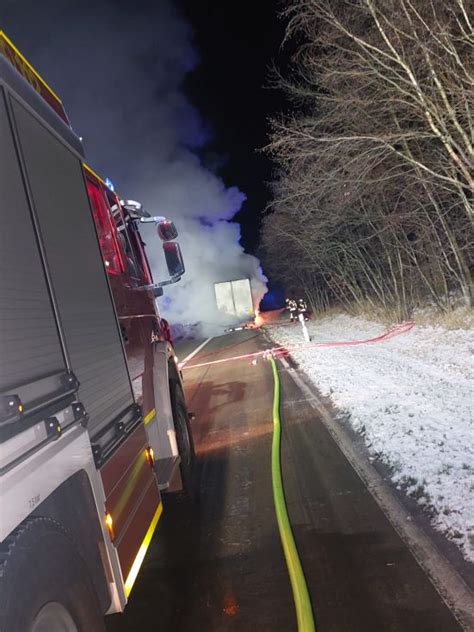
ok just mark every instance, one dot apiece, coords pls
pixel 121 68
pixel 237 42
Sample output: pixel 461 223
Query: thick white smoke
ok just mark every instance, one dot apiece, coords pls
pixel 120 73
pixel 218 257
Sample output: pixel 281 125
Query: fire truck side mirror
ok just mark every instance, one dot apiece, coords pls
pixel 167 230
pixel 175 265
pixel 165 227
pixel 174 260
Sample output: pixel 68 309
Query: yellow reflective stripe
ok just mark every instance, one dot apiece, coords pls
pixel 150 416
pixel 27 63
pixel 137 562
pixel 96 175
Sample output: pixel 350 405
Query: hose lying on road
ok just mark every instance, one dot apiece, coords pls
pixel 390 333
pixel 304 611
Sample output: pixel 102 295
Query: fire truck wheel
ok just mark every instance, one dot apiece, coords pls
pixel 184 437
pixel 44 584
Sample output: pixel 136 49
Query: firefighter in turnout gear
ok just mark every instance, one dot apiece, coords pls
pixel 292 307
pixel 303 308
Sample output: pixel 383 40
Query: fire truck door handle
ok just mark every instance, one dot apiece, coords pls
pixel 123 331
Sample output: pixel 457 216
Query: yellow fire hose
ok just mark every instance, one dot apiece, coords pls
pixel 304 611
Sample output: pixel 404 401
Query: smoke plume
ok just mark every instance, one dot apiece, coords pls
pixel 119 69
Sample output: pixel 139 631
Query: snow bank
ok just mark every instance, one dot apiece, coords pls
pixel 411 398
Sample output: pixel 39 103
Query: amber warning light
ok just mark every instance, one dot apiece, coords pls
pixel 11 408
pixel 150 456
pixel 110 525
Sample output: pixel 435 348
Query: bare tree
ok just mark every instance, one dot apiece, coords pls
pixel 373 201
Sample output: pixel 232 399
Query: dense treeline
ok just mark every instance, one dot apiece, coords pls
pixel 373 196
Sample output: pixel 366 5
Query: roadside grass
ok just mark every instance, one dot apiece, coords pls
pixel 459 317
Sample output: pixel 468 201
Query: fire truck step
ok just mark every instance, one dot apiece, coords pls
pixel 165 470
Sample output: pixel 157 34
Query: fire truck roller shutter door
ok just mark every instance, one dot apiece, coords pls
pixel 78 276
pixel 29 341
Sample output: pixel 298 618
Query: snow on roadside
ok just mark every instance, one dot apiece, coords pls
pixel 412 399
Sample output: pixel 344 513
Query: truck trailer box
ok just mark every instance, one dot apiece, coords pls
pixel 234 298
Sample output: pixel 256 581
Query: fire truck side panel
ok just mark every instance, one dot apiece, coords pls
pixel 148 354
pixel 147 512
pixel 134 305
pixel 30 489
pixel 30 346
pixel 148 330
pixel 89 325
pixel 55 279
pixel 133 499
pixel 86 312
pixel 13 79
pixel 161 430
pixel 38 469
pixel 138 323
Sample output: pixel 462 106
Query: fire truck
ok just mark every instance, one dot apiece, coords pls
pixel 93 421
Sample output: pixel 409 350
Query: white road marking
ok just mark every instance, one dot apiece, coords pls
pixel 193 353
pixel 449 584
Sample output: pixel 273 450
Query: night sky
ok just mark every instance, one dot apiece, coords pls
pixel 237 42
pixel 179 111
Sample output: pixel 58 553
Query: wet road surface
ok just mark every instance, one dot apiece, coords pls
pixel 216 563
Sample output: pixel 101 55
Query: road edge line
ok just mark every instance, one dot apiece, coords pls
pixel 193 353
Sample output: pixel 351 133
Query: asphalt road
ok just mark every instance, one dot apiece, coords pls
pixel 216 563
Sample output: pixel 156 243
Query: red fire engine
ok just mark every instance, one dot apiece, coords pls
pixel 93 422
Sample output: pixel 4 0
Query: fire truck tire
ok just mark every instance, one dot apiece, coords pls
pixel 184 437
pixel 44 583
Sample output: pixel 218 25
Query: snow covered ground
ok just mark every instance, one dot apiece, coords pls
pixel 412 399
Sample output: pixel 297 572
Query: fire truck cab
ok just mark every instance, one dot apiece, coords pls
pixel 93 421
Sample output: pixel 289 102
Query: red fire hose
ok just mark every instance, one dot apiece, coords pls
pixel 396 330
